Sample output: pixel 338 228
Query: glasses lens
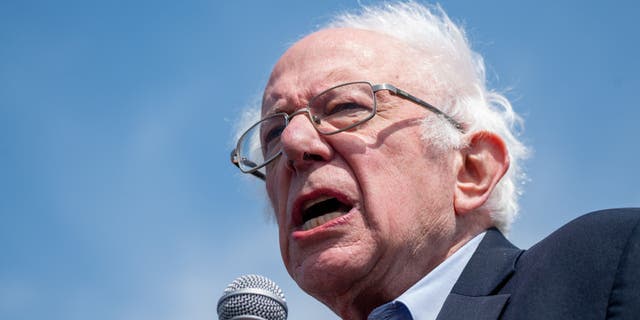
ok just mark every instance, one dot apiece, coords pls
pixel 261 142
pixel 343 107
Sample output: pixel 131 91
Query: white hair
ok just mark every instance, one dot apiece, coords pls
pixel 456 75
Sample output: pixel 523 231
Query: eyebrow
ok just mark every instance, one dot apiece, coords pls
pixel 273 110
pixel 334 75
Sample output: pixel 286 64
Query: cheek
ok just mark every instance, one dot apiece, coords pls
pixel 278 203
pixel 277 185
pixel 398 179
pixel 277 189
pixel 273 197
pixel 284 247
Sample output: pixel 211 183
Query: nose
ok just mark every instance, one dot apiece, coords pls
pixel 302 144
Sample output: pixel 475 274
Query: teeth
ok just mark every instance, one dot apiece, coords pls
pixel 317 221
pixel 313 202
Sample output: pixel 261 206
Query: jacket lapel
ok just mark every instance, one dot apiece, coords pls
pixel 474 296
pixel 479 308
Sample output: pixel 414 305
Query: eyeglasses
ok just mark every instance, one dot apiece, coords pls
pixel 334 110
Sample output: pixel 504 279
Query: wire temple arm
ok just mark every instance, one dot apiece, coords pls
pixel 236 162
pixel 406 95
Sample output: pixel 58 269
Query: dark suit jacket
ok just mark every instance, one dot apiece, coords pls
pixel 588 269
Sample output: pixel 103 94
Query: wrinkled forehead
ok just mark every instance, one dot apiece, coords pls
pixel 331 57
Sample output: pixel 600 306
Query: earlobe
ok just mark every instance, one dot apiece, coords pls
pixel 484 162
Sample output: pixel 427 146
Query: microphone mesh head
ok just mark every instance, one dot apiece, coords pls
pixel 252 296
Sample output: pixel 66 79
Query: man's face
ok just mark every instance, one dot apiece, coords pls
pixel 358 209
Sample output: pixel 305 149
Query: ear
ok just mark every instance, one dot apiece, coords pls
pixel 484 162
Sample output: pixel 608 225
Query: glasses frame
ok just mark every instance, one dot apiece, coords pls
pixel 375 88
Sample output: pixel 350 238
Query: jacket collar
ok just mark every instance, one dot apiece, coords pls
pixel 474 296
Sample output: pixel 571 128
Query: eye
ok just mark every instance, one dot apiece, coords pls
pixel 272 134
pixel 343 107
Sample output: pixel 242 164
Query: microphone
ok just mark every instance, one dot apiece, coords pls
pixel 252 297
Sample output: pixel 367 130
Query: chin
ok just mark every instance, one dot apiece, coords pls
pixel 330 273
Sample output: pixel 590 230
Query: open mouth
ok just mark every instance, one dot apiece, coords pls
pixel 321 211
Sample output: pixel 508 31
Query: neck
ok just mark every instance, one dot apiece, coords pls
pixel 401 276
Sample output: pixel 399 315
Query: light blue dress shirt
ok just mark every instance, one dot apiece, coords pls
pixel 424 299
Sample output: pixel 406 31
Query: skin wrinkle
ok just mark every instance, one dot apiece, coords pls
pixel 382 135
pixel 394 125
pixel 380 257
pixel 401 190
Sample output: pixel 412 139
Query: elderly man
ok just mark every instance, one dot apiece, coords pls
pixel 392 171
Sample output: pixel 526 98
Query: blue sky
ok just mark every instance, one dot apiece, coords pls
pixel 117 199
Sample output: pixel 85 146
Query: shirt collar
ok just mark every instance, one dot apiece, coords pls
pixel 425 298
